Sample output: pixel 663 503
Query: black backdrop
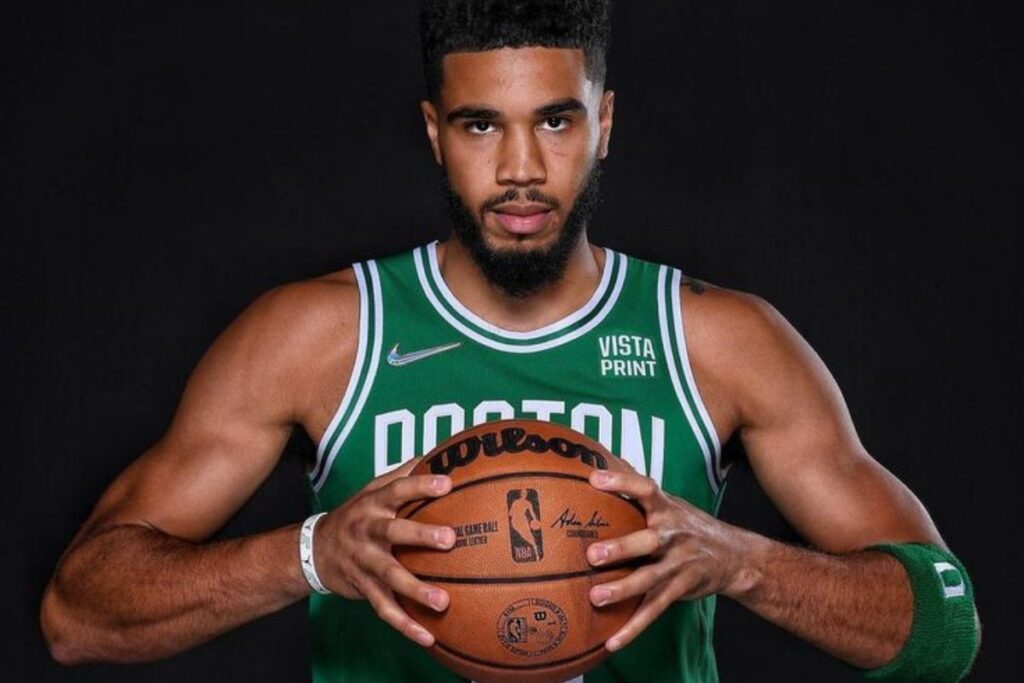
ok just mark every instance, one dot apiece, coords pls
pixel 163 163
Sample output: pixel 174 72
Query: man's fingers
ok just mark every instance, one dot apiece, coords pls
pixel 407 532
pixel 652 606
pixel 384 604
pixel 637 544
pixel 665 585
pixel 637 582
pixel 401 491
pixel 397 473
pixel 644 489
pixel 387 570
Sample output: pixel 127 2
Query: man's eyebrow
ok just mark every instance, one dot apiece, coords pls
pixel 481 113
pixel 561 107
pixel 472 112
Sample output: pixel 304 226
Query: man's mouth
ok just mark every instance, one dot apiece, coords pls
pixel 522 219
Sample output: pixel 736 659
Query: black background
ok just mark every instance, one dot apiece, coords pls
pixel 163 163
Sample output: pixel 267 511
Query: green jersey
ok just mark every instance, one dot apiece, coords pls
pixel 427 367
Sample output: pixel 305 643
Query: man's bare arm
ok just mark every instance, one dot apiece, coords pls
pixel 805 453
pixel 131 593
pixel 765 381
pixel 136 583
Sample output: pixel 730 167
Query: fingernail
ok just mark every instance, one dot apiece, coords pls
pixel 444 538
pixel 598 553
pixel 439 483
pixel 602 478
pixel 422 637
pixel 599 596
pixel 613 644
pixel 438 600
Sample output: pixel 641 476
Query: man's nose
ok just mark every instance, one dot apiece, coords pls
pixel 521 162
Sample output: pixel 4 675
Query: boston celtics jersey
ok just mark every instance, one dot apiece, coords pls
pixel 427 367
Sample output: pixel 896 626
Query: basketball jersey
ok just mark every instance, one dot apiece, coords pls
pixel 427 367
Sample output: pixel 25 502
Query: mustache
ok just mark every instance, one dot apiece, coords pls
pixel 513 195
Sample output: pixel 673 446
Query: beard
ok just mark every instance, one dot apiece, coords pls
pixel 522 272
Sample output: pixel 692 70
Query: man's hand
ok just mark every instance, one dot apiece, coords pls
pixel 353 547
pixel 692 554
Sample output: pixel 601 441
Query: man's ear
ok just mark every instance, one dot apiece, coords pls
pixel 605 117
pixel 430 119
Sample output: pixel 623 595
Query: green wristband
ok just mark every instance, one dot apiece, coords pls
pixel 943 638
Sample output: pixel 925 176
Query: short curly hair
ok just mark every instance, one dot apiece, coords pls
pixel 448 26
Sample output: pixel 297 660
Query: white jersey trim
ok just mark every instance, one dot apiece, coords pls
pixel 470 316
pixel 670 358
pixel 525 348
pixel 677 314
pixel 375 353
pixel 353 380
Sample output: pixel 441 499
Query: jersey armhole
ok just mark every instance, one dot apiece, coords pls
pixel 670 320
pixel 364 369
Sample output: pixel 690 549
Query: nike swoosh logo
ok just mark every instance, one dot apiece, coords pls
pixel 398 359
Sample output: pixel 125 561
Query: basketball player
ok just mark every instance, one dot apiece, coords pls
pixel 516 314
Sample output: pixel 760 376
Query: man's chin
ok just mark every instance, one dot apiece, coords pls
pixel 520 265
pixel 519 244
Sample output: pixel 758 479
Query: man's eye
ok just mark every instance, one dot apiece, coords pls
pixel 479 127
pixel 556 123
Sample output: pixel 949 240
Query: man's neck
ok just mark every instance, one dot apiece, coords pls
pixel 521 314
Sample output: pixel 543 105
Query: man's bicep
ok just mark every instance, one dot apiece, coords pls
pixel 188 489
pixel 806 454
pixel 227 434
pixel 841 502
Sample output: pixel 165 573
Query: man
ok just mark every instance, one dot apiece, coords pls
pixel 516 315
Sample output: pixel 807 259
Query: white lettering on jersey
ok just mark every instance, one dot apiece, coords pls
pixel 604 422
pixel 502 410
pixel 631 446
pixel 381 427
pixel 543 410
pixel 624 355
pixel 453 411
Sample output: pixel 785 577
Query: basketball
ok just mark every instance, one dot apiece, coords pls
pixel 524 514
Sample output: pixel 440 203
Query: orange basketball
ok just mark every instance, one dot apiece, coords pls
pixel 524 514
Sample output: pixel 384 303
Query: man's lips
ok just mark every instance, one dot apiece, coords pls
pixel 522 219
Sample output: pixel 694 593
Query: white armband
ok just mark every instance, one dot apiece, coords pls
pixel 306 554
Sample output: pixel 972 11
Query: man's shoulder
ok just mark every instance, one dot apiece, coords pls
pixel 714 309
pixel 306 306
pixel 726 315
pixel 715 317
pixel 741 345
pixel 298 324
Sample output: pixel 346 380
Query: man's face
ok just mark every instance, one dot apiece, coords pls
pixel 518 133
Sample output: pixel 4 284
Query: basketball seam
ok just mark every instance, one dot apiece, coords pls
pixel 510 475
pixel 519 667
pixel 527 579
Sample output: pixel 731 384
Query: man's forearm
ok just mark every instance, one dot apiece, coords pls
pixel 132 593
pixel 858 606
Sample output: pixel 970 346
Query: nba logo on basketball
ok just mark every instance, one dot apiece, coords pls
pixel 524 525
pixel 515 630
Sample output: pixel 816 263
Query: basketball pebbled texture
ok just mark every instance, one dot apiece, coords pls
pixel 524 514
